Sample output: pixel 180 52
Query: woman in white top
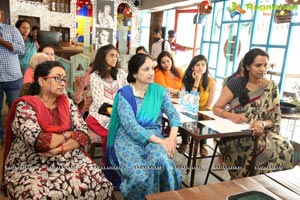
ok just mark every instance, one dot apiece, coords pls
pixel 105 80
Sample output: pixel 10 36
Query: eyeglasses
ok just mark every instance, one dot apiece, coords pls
pixel 57 78
pixel 113 56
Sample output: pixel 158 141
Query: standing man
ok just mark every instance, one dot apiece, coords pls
pixel 174 46
pixel 11 78
pixel 159 44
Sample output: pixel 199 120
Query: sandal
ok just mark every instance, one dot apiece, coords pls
pixel 182 147
pixel 203 151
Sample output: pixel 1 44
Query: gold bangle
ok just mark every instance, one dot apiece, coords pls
pixel 223 113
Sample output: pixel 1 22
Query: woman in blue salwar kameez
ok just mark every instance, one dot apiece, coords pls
pixel 135 141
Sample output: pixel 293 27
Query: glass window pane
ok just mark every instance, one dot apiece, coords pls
pixel 145 19
pixel 279 33
pixel 212 55
pixel 144 37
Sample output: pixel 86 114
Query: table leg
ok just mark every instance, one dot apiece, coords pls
pixel 194 162
pixel 190 155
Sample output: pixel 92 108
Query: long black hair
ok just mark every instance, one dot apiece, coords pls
pixel 247 61
pixel 19 24
pixel 100 64
pixel 173 69
pixel 188 79
pixel 250 57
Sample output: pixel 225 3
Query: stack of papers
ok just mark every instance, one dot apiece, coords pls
pixel 222 125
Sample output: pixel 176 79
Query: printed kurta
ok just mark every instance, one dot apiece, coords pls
pixel 69 175
pixel 145 166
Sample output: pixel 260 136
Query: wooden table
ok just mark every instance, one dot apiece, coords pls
pixel 196 138
pixel 287 189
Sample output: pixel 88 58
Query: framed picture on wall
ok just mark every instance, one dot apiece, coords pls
pixel 105 16
pixel 103 37
pixel 1 16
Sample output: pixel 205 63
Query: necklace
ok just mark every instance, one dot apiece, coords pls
pixel 138 92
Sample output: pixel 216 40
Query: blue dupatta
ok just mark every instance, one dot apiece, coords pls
pixel 146 117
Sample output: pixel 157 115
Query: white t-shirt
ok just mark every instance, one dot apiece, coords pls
pixel 156 48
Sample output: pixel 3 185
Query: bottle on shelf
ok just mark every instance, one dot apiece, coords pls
pixel 58 6
pixel 62 6
pixel 53 5
pixel 67 6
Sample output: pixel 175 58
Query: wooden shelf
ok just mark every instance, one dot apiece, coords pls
pixel 65 32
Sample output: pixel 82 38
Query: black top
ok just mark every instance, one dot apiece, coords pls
pixel 237 85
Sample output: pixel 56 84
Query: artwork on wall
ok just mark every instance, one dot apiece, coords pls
pixel 79 65
pixel 1 16
pixel 105 14
pixel 103 37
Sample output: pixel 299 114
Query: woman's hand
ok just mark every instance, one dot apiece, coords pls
pixel 172 145
pixel 168 147
pixel 258 128
pixel 51 152
pixel 238 118
pixel 196 76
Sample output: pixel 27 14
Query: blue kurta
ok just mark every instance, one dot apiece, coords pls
pixel 145 167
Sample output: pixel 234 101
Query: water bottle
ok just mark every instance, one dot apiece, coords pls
pixel 181 95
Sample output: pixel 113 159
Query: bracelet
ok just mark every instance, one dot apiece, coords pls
pixel 62 148
pixel 195 87
pixel 223 113
pixel 65 136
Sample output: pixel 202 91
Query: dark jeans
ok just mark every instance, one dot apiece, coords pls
pixel 12 90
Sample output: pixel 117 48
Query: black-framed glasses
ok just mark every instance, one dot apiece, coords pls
pixel 57 78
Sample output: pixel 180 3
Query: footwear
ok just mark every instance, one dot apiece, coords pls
pixel 182 147
pixel 203 151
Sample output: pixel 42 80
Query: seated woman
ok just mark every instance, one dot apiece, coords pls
pixel 45 139
pixel 106 79
pixel 47 49
pixel 167 75
pixel 28 78
pixel 255 100
pixel 35 60
pixel 83 95
pixel 196 79
pixel 135 142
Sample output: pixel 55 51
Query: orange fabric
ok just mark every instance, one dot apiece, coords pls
pixel 164 79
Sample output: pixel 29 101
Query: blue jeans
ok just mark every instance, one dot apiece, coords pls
pixel 12 90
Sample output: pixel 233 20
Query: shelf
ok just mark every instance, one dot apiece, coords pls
pixel 65 32
pixel 60 6
pixel 286 75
